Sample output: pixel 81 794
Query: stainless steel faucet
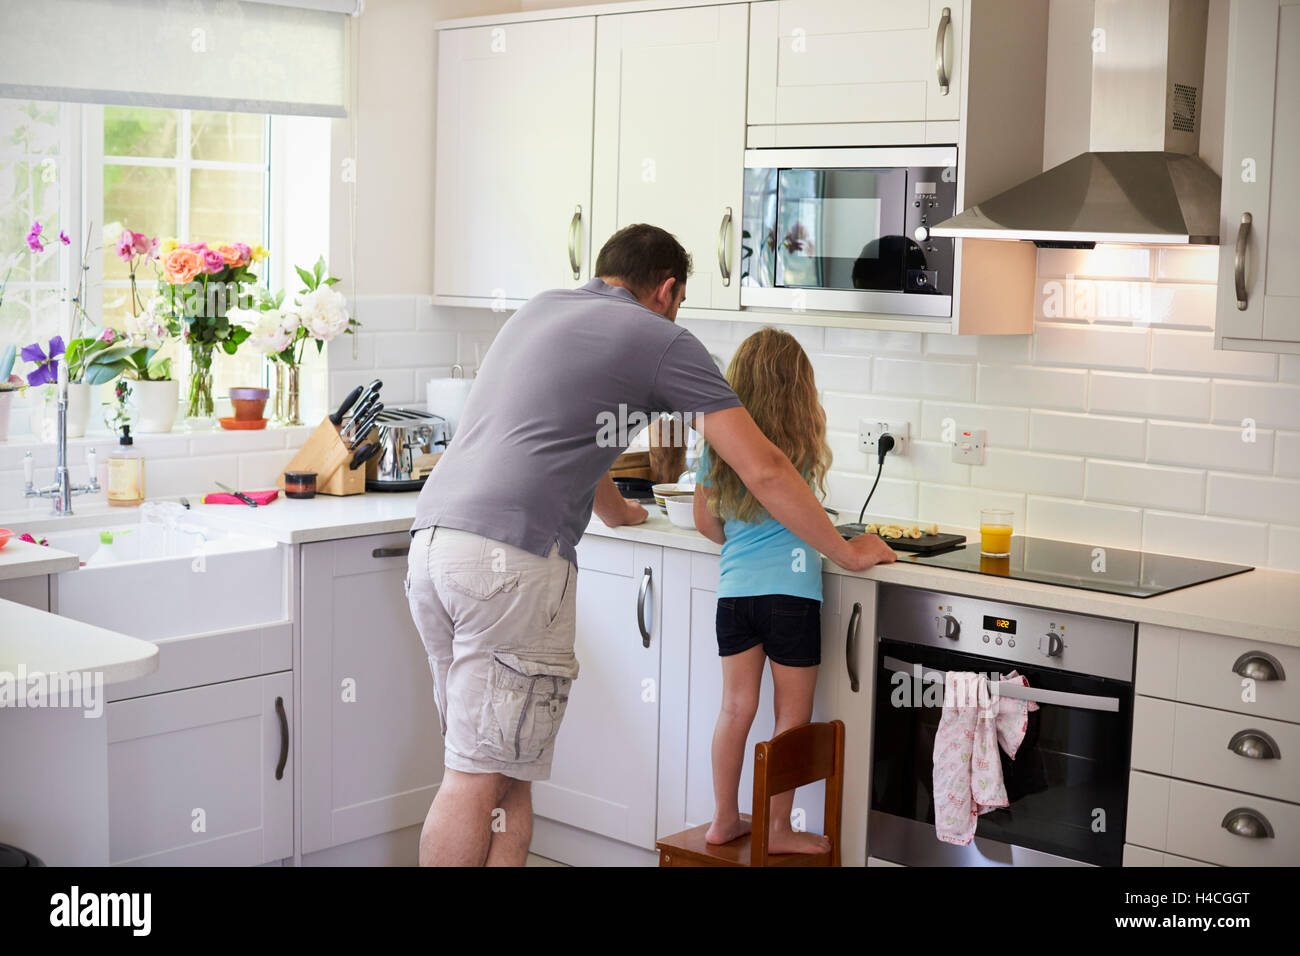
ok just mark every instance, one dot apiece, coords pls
pixel 62 490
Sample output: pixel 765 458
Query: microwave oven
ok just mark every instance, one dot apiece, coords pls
pixel 848 230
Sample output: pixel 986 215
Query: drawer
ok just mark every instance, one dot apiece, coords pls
pixel 1187 819
pixel 1141 856
pixel 1206 669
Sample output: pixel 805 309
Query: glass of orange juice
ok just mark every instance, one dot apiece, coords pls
pixel 995 532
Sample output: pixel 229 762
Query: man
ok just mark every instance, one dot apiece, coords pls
pixel 492 581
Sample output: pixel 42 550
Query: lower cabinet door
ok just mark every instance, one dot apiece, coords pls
pixel 371 741
pixel 202 777
pixel 605 767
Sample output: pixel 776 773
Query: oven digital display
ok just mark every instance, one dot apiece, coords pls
pixel 1002 624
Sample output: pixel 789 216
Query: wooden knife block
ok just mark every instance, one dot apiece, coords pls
pixel 328 456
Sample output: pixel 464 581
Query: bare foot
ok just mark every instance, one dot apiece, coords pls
pixel 726 832
pixel 790 841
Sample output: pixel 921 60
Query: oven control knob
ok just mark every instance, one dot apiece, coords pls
pixel 951 627
pixel 921 233
pixel 1051 645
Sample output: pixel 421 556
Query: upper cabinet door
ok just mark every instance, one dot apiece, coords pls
pixel 855 61
pixel 514 158
pixel 1259 285
pixel 670 136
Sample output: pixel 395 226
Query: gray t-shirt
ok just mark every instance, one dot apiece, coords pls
pixel 555 403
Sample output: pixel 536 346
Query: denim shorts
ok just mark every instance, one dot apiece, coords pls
pixel 789 628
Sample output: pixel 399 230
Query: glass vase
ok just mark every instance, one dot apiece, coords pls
pixel 200 408
pixel 287 379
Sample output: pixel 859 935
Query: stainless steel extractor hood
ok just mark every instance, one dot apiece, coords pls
pixel 1141 180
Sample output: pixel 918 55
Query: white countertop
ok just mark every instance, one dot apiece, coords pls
pixel 19 559
pixel 33 641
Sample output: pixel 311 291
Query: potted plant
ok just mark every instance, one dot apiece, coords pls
pixel 318 314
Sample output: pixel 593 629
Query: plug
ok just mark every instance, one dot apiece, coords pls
pixel 884 445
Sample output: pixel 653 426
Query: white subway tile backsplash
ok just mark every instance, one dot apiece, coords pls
pixel 1209 446
pixel 951 345
pixel 844 411
pixel 1196 536
pixel 1248 496
pixel 1107 526
pixel 960 506
pixel 1287 457
pixel 1029 472
pixel 843 373
pixel 1179 489
pixel 1004 349
pixel 1030 387
pixel 1267 405
pixel 1003 427
pixel 859 340
pixel 169 477
pixel 386 313
pixel 408 349
pixel 1102 262
pixel 259 470
pixel 1193 353
pixel 1093 346
pixel 339 352
pixel 1194 264
pixel 1288 368
pixel 846 491
pixel 1087 435
pixel 1149 396
pixel 1284 548
pixel 929 379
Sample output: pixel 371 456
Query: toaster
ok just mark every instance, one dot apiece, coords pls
pixel 406 438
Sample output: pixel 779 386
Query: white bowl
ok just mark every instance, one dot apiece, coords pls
pixel 681 511
pixel 663 492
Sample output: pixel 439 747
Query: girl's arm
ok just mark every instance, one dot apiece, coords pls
pixel 706 523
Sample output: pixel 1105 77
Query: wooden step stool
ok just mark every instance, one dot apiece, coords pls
pixel 797 757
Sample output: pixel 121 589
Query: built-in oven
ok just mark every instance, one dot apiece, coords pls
pixel 849 230
pixel 1068 783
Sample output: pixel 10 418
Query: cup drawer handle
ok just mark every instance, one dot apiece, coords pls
pixel 1254 744
pixel 1258 665
pixel 1248 823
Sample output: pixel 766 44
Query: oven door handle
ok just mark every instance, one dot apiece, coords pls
pixel 1016 690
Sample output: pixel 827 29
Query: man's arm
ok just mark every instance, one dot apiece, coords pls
pixel 768 474
pixel 612 508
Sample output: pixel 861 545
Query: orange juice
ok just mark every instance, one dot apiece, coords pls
pixel 995 539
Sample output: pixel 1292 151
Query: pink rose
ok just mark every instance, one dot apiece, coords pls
pixel 213 261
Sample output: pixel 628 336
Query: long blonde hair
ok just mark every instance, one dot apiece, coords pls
pixel 772 376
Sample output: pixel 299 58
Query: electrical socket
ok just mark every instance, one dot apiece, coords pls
pixel 968 446
pixel 869 433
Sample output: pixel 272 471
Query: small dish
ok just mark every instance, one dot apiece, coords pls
pixel 681 511
pixel 234 424
pixel 669 490
pixel 5 535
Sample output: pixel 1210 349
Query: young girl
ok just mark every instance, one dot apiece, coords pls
pixel 770 587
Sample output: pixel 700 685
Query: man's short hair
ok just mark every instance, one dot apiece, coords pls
pixel 642 256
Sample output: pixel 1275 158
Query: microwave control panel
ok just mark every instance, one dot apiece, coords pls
pixel 931 198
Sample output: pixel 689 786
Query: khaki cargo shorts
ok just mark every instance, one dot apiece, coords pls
pixel 498 625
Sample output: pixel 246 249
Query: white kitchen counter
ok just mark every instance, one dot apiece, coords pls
pixel 35 641
pixel 1259 605
pixel 19 559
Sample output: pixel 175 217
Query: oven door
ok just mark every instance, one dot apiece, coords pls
pixel 1067 786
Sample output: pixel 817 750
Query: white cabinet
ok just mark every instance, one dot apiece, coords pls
pixel 1259 223
pixel 670 136
pixel 371 743
pixel 605 766
pixel 202 777
pixel 692 698
pixel 33 591
pixel 513 192
pixel 855 61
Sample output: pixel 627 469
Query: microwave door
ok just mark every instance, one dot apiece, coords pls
pixel 840 229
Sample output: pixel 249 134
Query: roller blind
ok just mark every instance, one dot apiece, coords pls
pixel 240 55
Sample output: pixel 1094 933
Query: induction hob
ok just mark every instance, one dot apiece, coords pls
pixel 1113 570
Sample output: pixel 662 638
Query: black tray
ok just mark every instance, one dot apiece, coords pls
pixel 415 484
pixel 926 544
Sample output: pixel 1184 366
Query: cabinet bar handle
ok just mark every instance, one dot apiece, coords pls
pixel 575 233
pixel 722 247
pixel 1254 744
pixel 640 608
pixel 1239 260
pixel 1259 666
pixel 940 64
pixel 850 644
pixel 1245 822
pixel 391 552
pixel 284 738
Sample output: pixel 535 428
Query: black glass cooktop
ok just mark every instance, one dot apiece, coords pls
pixel 1116 571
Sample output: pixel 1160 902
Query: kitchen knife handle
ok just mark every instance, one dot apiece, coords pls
pixel 1239 260
pixel 284 738
pixel 940 61
pixel 575 233
pixel 722 247
pixel 850 645
pixel 337 417
pixel 640 608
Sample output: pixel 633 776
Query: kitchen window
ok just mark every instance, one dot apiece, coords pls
pixel 188 174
